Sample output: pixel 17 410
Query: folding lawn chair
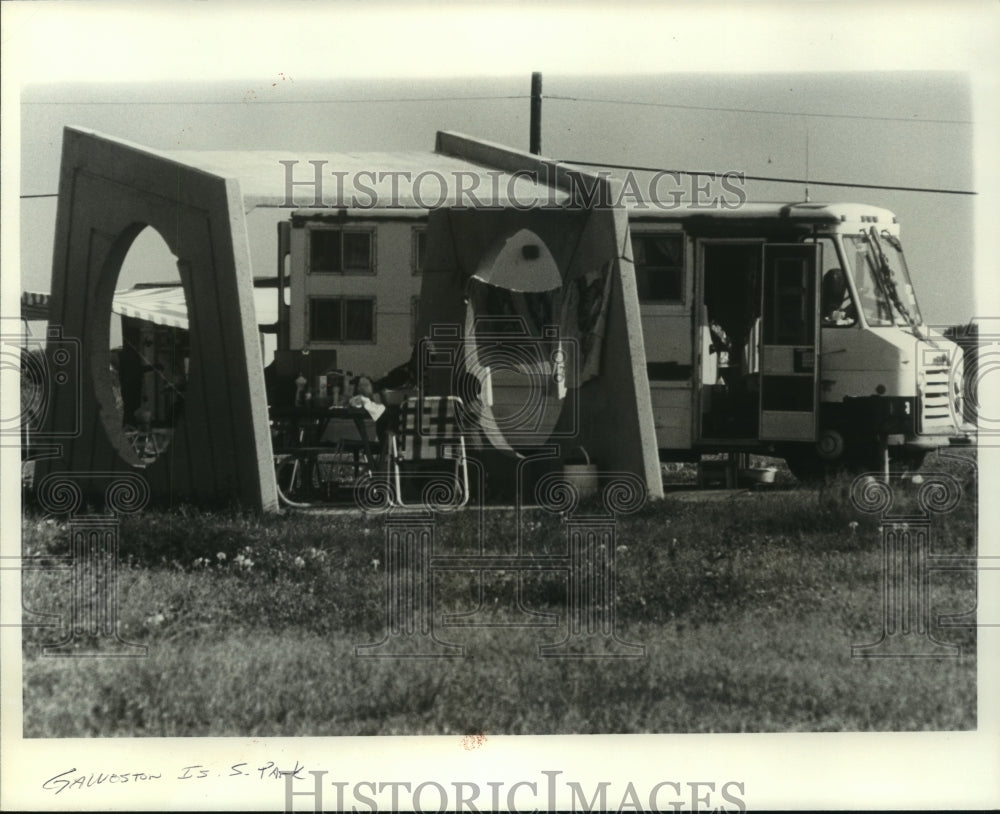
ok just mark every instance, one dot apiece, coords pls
pixel 429 432
pixel 344 438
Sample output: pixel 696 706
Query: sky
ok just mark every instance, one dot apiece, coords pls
pixel 902 129
pixel 885 93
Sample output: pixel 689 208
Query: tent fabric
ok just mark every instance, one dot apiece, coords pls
pixel 585 316
pixel 521 262
pixel 162 305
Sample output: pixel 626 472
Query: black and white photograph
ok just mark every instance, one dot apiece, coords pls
pixel 460 408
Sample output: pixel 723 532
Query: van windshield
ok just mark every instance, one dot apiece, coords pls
pixel 885 292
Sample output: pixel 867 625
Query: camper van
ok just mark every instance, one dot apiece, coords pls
pixel 792 329
pixel 784 329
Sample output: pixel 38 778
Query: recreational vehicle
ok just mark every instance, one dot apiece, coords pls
pixel 793 328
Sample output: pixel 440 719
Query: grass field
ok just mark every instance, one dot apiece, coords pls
pixel 747 606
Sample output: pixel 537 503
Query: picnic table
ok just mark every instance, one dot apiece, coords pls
pixel 319 452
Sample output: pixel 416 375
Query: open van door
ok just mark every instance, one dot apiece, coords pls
pixel 789 370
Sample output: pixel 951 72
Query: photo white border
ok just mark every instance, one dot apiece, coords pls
pixel 55 42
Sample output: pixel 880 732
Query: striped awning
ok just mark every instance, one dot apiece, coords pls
pixel 34 305
pixel 162 305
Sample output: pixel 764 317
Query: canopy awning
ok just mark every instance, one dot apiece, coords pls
pixel 162 305
pixel 34 305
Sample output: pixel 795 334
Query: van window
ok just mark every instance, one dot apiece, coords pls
pixel 659 266
pixel 836 304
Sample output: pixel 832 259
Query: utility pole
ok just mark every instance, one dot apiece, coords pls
pixel 535 136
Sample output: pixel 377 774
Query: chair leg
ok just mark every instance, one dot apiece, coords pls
pixel 464 464
pixel 393 464
pixel 460 474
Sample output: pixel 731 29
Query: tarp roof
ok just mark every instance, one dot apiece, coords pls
pixel 375 180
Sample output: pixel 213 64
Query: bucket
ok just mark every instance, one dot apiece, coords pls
pixel 583 477
pixel 759 475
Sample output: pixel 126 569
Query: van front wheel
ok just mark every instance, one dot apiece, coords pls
pixel 806 464
pixel 834 451
pixel 811 462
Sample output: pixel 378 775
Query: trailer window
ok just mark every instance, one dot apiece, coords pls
pixel 341 251
pixel 659 267
pixel 341 319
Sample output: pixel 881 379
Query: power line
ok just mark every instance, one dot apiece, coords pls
pixel 752 110
pixel 772 179
pixel 804 181
pixel 554 97
pixel 259 101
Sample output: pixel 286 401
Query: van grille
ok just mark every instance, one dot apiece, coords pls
pixel 938 411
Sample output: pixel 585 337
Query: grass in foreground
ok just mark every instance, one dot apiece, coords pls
pixel 747 609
